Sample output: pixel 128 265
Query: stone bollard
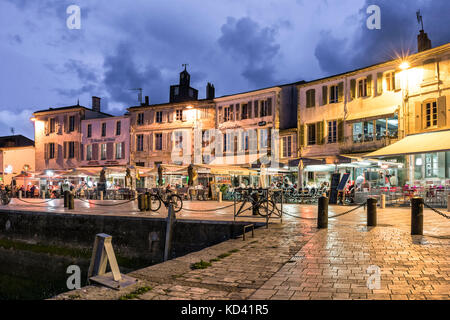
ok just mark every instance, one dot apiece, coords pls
pixel 20 194
pixel 220 196
pixel 101 195
pixel 383 201
pixel 322 213
pixel 417 216
pixel 71 203
pixel 43 195
pixel 371 212
pixel 141 202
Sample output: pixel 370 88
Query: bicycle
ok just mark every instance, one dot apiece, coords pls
pixel 260 204
pixel 157 197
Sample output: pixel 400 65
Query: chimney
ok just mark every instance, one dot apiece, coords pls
pixel 423 43
pixel 210 91
pixel 95 104
pixel 146 101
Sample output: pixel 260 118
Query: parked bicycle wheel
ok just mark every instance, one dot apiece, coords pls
pixel 177 202
pixel 266 207
pixel 155 203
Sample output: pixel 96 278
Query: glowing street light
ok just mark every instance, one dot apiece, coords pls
pixel 404 65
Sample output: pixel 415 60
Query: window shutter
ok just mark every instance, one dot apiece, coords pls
pixel 255 104
pixel 319 132
pixel 220 116
pixel 170 116
pixel 340 127
pixel 66 124
pixel 169 141
pixel 341 91
pixel 95 151
pixel 379 83
pixel 269 106
pixel 369 85
pixel 324 95
pixel 110 150
pixel 302 135
pixel 47 127
pixel 46 148
pixel 353 88
pixel 150 142
pixel 237 112
pixel 249 110
pixel 144 145
pixel 65 149
pixel 123 150
pixel 418 116
pixel 397 84
pixel 442 112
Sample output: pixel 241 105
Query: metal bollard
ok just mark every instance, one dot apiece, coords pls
pixel 147 201
pixel 20 194
pixel 170 223
pixel 371 212
pixel 141 202
pixel 71 201
pixel 66 199
pixel 322 213
pixel 383 201
pixel 101 195
pixel 448 203
pixel 417 216
pixel 220 196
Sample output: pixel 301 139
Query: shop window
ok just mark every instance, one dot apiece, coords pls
pixel 392 126
pixel 431 165
pixel 431 114
pixel 363 131
pixel 332 131
pixel 312 134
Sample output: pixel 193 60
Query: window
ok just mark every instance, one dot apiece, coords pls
pixel 71 150
pixel 390 81
pixel 118 128
pixel 362 88
pixel 103 151
pixel 89 152
pixel 310 98
pixel 287 147
pixel 312 134
pixel 244 114
pixel 334 94
pixel 244 140
pixel 431 114
pixel 89 130
pixel 51 151
pixel 52 125
pixel 104 129
pixel 179 114
pixel 226 142
pixel 363 131
pixel 140 118
pixel 263 138
pixel 71 123
pixel 228 111
pixel 119 150
pixel 158 141
pixel 140 142
pixel 332 131
pixel 264 108
pixel 206 138
pixel 178 139
pixel 159 116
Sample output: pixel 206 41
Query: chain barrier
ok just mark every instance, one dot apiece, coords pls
pixel 207 210
pixel 351 210
pixel 35 202
pixel 107 205
pixel 437 211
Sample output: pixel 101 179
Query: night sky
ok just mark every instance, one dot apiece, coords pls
pixel 238 45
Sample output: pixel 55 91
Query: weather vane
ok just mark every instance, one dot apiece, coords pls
pixel 185 65
pixel 419 18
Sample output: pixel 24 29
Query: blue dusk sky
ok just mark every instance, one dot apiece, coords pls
pixel 238 45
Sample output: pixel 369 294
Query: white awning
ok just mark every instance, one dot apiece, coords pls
pixel 436 141
pixel 372 114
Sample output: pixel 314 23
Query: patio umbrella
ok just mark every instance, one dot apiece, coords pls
pixel 192 173
pixel 262 176
pixel 300 174
pixel 160 175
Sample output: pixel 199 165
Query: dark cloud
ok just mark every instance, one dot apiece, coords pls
pixel 397 36
pixel 122 74
pixel 245 40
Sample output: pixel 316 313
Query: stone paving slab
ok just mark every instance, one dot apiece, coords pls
pixel 294 260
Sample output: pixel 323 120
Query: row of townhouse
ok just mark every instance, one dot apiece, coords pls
pixel 329 121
